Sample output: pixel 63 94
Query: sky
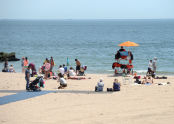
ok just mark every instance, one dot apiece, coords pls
pixel 86 9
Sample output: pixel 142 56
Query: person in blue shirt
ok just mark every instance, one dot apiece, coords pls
pixel 116 85
pixel 27 77
pixel 65 68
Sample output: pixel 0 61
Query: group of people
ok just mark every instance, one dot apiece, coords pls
pixel 152 67
pixel 47 70
pixel 63 71
pixel 100 86
pixel 8 68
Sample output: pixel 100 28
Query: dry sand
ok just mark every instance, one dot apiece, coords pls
pixel 79 104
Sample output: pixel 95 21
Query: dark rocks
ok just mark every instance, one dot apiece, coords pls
pixel 8 56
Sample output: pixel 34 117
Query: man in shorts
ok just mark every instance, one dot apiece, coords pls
pixel 78 64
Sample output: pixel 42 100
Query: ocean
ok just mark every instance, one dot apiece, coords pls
pixel 93 42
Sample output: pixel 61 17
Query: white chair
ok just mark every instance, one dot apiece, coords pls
pixel 127 78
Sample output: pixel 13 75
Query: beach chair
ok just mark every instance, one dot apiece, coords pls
pixel 127 78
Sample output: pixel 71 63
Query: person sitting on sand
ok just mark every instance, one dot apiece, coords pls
pixel 99 86
pixel 61 70
pixel 11 69
pixel 116 85
pixel 148 80
pixel 42 69
pixel 71 72
pixel 65 69
pixel 5 69
pixel 62 81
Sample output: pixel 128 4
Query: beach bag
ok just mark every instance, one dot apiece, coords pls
pixel 109 89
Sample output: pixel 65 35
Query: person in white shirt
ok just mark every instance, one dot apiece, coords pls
pixel 11 69
pixel 154 64
pixel 62 81
pixel 71 72
pixel 61 70
pixel 99 86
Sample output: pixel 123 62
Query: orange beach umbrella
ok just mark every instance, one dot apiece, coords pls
pixel 128 44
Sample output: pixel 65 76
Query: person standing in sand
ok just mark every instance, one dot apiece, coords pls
pixel 22 64
pixel 154 64
pixel 47 68
pixel 78 64
pixel 27 77
pixel 149 68
pixel 51 63
pixel 26 62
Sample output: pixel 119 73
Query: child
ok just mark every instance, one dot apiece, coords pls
pixel 11 69
pixel 62 81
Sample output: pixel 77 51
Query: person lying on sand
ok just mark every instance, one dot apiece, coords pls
pixel 147 80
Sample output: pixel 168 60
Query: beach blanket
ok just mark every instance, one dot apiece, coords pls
pixel 76 78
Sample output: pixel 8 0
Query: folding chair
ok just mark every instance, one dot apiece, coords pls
pixel 127 78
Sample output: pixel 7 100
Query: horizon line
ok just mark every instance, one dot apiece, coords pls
pixel 86 19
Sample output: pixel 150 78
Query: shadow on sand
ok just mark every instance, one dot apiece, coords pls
pixel 20 95
pixel 23 95
pixel 117 75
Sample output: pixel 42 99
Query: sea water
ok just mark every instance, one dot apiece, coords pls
pixel 93 42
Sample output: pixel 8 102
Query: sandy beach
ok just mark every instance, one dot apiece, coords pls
pixel 78 103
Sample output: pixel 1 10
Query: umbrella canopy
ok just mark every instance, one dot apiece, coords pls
pixel 128 44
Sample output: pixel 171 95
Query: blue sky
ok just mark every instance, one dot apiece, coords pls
pixel 86 9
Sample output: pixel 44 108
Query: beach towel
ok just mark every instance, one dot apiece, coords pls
pixel 76 78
